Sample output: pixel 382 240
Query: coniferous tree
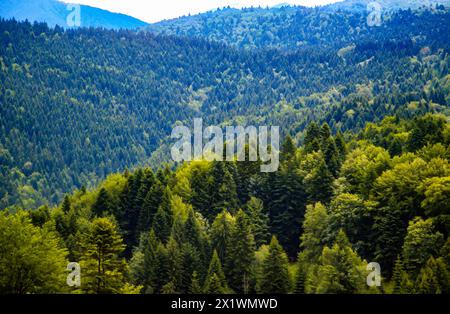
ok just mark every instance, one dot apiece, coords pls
pixel 275 275
pixel 259 221
pixel 66 205
pixel 102 205
pixel 103 268
pixel 312 138
pixel 195 284
pixel 221 231
pixel 400 279
pixel 163 219
pixel 240 256
pixel 215 282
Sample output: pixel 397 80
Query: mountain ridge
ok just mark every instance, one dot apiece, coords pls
pixel 55 12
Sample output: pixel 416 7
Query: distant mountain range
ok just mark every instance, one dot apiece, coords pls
pixel 54 12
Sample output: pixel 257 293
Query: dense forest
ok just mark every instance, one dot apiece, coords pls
pixel 80 104
pixel 86 177
pixel 338 202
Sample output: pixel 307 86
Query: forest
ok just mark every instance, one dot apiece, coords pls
pixel 338 202
pixel 113 96
pixel 86 177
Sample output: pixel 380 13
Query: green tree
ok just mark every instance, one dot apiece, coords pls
pixel 340 269
pixel 103 268
pixel 102 204
pixel 420 243
pixel 275 275
pixel 240 256
pixel 215 282
pixel 259 221
pixel 163 219
pixel 32 259
pixel 434 278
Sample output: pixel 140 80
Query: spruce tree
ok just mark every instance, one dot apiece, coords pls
pixel 275 275
pixel 240 258
pixel 66 204
pixel 103 268
pixel 259 221
pixel 163 219
pixel 102 205
pixel 215 282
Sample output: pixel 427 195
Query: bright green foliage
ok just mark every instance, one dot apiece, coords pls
pixel 340 270
pixel 421 242
pixel 437 196
pixel 259 221
pixel 434 278
pixel 195 284
pixel 400 279
pixel 275 275
pixel 314 235
pixel 32 259
pixel 102 266
pixel 221 233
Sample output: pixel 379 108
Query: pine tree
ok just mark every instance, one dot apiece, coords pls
pixel 314 234
pixel 433 278
pixel 66 204
pixel 162 221
pixel 221 230
pixel 300 280
pixel 102 204
pixel 400 279
pixel 103 269
pixel 312 138
pixel 215 282
pixel 151 204
pixel 275 275
pixel 319 184
pixel 240 256
pixel 223 193
pixel 259 221
pixel 195 284
pixel 288 149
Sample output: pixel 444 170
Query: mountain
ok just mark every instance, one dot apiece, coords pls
pixel 386 5
pixel 288 27
pixel 79 104
pixel 54 12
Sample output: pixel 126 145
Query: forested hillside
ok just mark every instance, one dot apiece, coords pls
pixel 337 203
pixel 291 28
pixel 77 105
pixel 55 12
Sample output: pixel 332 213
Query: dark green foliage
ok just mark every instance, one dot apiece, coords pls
pixel 102 204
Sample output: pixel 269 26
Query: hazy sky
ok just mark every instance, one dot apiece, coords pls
pixel 156 10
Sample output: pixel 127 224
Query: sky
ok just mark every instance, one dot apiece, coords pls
pixel 156 10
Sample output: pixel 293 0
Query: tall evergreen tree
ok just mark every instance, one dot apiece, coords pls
pixel 275 274
pixel 102 205
pixel 240 258
pixel 103 268
pixel 215 282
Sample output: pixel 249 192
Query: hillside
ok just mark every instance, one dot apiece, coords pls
pixel 292 27
pixel 54 12
pixel 80 104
